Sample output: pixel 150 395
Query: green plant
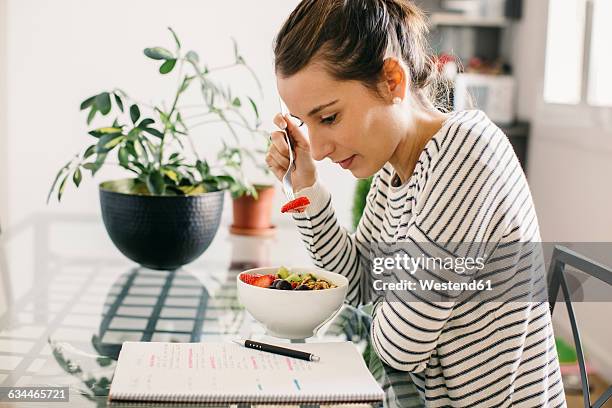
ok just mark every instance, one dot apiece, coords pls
pixel 567 353
pixel 359 199
pixel 152 145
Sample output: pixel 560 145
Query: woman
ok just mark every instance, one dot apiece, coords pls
pixel 358 74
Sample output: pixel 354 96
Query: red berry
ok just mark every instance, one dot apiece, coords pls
pixel 246 278
pixel 297 205
pixel 264 281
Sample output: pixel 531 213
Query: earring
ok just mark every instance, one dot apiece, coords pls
pixel 397 100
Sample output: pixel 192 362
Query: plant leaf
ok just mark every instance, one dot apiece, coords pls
pixel 178 43
pixel 154 132
pixel 118 101
pixel 141 167
pixel 192 57
pixel 193 190
pixel 225 181
pixel 179 119
pixel 203 168
pixel 254 106
pixel 77 177
pixel 107 142
pixel 141 152
pixel 133 134
pixel 164 118
pixel 123 156
pixel 158 53
pixel 92 113
pixel 57 177
pixel 103 103
pixel 100 158
pixel 167 66
pixel 236 102
pixel 145 122
pixel 87 102
pixel 89 152
pixel 172 175
pixel 155 183
pixel 110 130
pixel 236 54
pixel 185 84
pixel 134 113
pixel 106 131
pixel 129 146
pixel 62 187
pixel 113 142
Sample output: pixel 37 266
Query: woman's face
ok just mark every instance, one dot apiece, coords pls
pixel 346 121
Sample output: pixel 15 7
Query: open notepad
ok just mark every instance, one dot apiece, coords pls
pixel 228 373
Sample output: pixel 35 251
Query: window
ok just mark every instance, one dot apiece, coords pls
pixel 600 62
pixel 564 50
pixel 573 27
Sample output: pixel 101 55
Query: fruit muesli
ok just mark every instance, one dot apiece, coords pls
pixel 285 280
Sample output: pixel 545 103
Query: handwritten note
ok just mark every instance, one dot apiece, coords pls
pixel 226 369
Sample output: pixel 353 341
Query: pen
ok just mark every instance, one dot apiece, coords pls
pixel 277 350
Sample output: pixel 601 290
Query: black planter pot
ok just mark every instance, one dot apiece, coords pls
pixel 160 232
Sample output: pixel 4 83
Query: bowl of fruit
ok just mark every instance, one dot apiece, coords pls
pixel 291 303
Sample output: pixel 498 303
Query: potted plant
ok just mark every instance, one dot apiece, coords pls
pixel 252 212
pixel 168 212
pixel 251 203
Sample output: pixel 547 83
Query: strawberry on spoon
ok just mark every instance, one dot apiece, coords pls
pixel 296 206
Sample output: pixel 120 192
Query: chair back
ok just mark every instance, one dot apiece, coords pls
pixel 562 257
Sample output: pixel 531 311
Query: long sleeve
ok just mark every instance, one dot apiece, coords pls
pixel 406 326
pixel 463 345
pixel 330 245
pixel 452 219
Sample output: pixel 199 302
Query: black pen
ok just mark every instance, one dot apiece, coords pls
pixel 302 355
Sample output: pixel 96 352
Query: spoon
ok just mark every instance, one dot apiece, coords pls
pixel 287 185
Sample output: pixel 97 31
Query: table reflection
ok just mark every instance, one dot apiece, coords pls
pixel 67 326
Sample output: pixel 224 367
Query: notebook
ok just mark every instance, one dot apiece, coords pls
pixel 227 373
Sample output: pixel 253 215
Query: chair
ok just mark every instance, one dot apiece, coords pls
pixel 561 257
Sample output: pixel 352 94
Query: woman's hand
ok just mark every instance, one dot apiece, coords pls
pixel 305 173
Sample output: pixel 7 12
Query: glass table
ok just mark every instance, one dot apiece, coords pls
pixel 68 299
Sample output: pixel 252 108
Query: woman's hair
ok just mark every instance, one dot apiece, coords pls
pixel 352 38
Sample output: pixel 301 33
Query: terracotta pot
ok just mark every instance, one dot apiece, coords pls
pixel 253 216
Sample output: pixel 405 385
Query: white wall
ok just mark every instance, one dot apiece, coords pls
pixel 570 164
pixel 3 135
pixel 61 52
pixel 4 284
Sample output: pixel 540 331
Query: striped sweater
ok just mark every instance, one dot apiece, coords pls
pixel 467 186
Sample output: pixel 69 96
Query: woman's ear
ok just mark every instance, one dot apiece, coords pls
pixel 394 77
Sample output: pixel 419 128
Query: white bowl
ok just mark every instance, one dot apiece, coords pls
pixel 292 314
